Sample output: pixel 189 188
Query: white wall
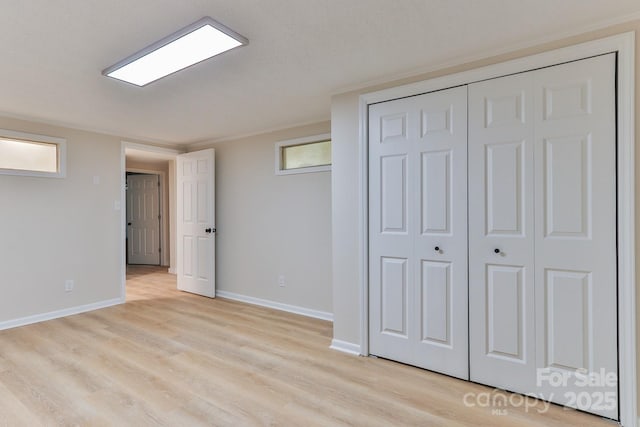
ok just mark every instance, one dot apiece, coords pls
pixel 345 218
pixel 57 229
pixel 269 225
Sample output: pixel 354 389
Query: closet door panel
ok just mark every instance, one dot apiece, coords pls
pixel 542 233
pixel 418 231
pixel 501 280
pixel 391 269
pixel 436 302
pixel 505 312
pixel 505 195
pixel 441 243
pixel 436 196
pixel 575 239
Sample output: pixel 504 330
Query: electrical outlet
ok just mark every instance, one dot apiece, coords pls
pixel 281 281
pixel 68 285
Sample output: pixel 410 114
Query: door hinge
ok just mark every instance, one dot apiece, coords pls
pixel 159 250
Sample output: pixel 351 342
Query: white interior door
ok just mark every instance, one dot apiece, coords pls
pixel 195 241
pixel 575 232
pixel 501 274
pixel 542 234
pixel 143 219
pixel 418 231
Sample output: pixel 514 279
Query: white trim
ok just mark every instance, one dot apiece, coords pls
pixel 345 347
pixel 70 125
pixel 299 141
pixel 545 59
pixel 152 148
pixel 503 49
pixel 172 271
pixel 123 219
pixel 61 152
pixel 624 45
pixel 164 224
pixel 627 317
pixel 317 314
pixel 37 318
pixel 363 232
pixel 208 143
pixel 123 200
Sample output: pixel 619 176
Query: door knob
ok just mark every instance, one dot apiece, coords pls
pixel 437 249
pixel 128 223
pixel 496 250
pixel 210 230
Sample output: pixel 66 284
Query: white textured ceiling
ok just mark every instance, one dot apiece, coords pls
pixel 300 52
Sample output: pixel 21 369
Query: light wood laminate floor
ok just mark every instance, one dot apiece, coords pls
pixel 171 358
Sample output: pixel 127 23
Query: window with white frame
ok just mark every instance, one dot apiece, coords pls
pixel 31 155
pixel 303 155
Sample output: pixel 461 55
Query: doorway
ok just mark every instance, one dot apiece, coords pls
pixel 152 164
pixel 144 242
pixel 140 159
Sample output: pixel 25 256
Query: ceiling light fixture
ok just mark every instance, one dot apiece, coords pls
pixel 192 44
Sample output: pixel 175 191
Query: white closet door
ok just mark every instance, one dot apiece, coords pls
pixel 542 194
pixel 575 231
pixel 501 274
pixel 418 231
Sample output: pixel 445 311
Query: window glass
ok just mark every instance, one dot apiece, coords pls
pixel 23 155
pixel 306 155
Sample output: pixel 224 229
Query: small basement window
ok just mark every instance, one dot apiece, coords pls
pixel 31 155
pixel 302 155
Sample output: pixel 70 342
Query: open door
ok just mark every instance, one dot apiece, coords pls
pixel 195 240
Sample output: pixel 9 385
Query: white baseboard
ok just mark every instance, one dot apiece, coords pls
pixel 323 315
pixel 36 318
pixel 172 271
pixel 345 347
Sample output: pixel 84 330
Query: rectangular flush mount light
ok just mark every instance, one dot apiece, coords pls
pixel 195 43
